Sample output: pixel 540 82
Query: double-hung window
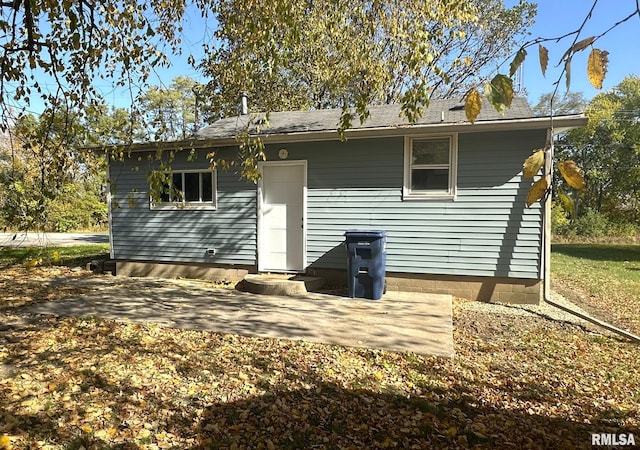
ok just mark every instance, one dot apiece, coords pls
pixel 430 167
pixel 190 189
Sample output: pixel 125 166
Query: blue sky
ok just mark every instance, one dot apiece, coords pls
pixel 555 18
pixel 558 17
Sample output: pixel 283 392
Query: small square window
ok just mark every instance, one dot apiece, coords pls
pixel 195 190
pixel 430 167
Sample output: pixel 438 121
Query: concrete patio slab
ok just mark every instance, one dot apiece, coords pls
pixel 408 322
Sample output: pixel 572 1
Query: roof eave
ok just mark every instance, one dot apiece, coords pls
pixel 559 125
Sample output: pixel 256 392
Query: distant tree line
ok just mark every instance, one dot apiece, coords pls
pixel 608 151
pixel 53 166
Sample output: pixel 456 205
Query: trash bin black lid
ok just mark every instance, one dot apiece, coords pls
pixel 365 233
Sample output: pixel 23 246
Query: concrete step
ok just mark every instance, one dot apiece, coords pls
pixel 281 284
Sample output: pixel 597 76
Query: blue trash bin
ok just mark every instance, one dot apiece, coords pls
pixel 366 263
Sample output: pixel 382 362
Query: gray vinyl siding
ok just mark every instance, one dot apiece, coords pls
pixel 182 235
pixel 485 231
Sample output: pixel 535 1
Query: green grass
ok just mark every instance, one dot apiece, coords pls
pixel 605 277
pixel 598 262
pixel 598 267
pixel 599 252
pixel 77 255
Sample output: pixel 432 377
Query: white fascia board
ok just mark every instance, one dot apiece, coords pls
pixel 558 124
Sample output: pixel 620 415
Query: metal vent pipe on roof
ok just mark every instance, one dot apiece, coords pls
pixel 245 108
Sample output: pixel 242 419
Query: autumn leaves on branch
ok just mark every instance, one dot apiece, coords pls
pixel 499 92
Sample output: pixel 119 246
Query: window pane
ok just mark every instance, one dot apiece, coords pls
pixel 177 187
pixel 430 179
pixel 192 187
pixel 207 186
pixel 432 151
pixel 177 181
pixel 164 195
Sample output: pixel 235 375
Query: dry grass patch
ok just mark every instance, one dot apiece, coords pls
pixel 604 279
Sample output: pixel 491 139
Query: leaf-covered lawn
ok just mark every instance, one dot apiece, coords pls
pixel 515 382
pixel 605 279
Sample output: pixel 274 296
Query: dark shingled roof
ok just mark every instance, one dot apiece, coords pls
pixel 444 112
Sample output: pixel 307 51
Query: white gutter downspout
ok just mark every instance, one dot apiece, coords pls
pixel 546 256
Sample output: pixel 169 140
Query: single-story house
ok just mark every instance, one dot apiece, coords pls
pixel 449 194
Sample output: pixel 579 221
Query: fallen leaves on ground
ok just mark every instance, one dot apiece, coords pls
pixel 21 286
pixel 515 382
pixel 608 297
pixel 607 289
pixel 613 305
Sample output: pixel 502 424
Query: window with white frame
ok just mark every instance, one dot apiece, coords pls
pixel 192 189
pixel 430 167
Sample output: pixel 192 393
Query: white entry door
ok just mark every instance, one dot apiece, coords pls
pixel 282 216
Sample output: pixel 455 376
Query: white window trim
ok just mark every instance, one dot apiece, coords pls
pixel 451 192
pixel 172 204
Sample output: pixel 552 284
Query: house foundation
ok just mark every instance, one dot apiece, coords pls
pixel 486 289
pixel 231 273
